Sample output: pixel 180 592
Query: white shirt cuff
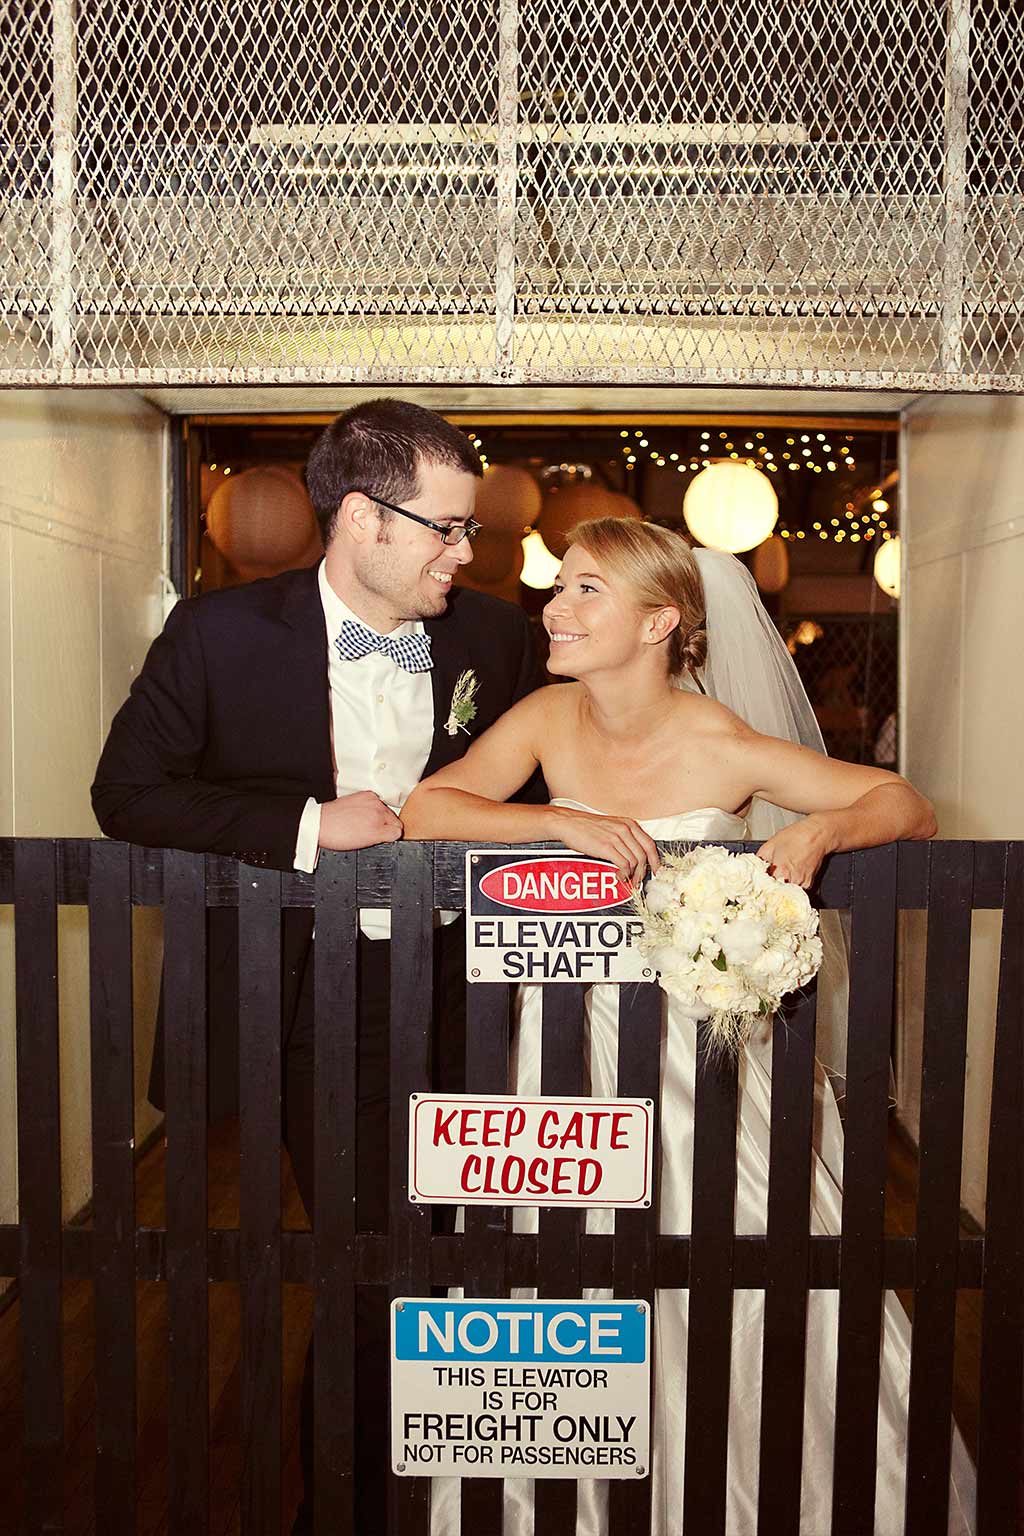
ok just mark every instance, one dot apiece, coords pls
pixel 307 844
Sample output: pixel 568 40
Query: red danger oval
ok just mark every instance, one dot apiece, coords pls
pixel 555 885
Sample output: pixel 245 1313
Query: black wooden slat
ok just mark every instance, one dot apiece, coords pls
pixel 412 944
pixel 944 1058
pixel 709 1334
pixel 783 1371
pixel 1002 1328
pixel 487 1042
pixel 259 1028
pixel 636 1232
pixel 558 1231
pixel 334 1240
pixel 113 1167
pixel 672 1265
pixel 872 981
pixel 185 1079
pixel 39 1178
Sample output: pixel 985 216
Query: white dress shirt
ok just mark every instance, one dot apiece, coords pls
pixel 382 727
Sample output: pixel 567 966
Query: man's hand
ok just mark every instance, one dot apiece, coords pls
pixel 358 821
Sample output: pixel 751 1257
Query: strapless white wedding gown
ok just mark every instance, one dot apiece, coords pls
pixel 678 1065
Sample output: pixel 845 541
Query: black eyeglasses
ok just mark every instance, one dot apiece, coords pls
pixel 451 533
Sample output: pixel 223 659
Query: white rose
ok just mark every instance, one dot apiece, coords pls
pixel 791 908
pixel 726 993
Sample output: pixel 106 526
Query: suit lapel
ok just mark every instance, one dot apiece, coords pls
pixel 450 656
pixel 305 669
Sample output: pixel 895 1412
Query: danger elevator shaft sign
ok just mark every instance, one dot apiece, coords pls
pixel 538 915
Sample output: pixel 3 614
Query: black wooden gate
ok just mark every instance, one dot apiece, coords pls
pixel 950 880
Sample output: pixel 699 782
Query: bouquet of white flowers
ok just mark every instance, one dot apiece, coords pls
pixel 727 937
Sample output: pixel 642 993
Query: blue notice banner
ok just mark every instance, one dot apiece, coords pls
pixel 552 1333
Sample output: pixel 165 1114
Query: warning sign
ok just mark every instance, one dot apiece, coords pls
pixel 549 916
pixel 501 1150
pixel 520 1388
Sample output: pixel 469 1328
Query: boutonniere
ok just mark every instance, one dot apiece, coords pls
pixel 463 706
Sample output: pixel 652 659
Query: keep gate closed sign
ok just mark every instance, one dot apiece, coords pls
pixel 539 915
pixel 520 1388
pixel 499 1150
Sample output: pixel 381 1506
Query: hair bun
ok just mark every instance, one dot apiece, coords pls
pixel 694 650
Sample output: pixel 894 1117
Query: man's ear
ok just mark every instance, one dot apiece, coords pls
pixel 660 624
pixel 357 517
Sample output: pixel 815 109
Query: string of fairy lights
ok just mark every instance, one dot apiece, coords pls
pixel 862 518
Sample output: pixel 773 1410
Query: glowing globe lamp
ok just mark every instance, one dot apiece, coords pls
pixel 730 506
pixel 540 567
pixel 887 566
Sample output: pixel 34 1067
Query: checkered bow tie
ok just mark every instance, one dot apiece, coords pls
pixel 411 652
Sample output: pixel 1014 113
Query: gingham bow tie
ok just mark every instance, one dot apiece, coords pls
pixel 412 652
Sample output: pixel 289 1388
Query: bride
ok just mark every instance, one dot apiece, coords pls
pixel 642 748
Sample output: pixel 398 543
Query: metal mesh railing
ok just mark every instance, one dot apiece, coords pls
pixel 814 192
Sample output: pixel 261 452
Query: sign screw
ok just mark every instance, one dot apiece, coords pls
pixel 400 1467
pixel 646 972
pixel 475 971
pixel 474 858
pixel 399 1306
pixel 640 1471
pixel 640 1308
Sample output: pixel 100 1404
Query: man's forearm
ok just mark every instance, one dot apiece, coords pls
pixel 201 818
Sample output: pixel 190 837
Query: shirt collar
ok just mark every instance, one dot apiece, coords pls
pixel 336 611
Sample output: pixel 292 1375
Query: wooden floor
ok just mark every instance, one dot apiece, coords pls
pixel 224 1361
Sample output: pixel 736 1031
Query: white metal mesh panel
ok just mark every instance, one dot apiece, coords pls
pixel 814 191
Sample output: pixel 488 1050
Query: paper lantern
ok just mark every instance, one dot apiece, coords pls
pixel 506 586
pixel 508 500
pixel 888 563
pixel 261 522
pixel 210 477
pixel 625 506
pixel 540 566
pixel 565 506
pixel 494 557
pixel 730 506
pixel 771 564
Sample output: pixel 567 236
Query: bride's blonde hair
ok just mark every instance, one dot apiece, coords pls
pixel 659 568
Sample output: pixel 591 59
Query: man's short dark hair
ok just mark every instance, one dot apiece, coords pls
pixel 378 447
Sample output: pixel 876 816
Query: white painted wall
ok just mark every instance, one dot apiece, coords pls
pixel 963 686
pixel 83 511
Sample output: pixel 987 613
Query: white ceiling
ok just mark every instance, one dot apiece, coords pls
pixel 306 399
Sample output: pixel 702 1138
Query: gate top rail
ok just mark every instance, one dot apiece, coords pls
pixel 375 869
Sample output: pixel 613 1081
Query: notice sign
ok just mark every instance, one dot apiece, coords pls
pixel 539 915
pixel 467 1150
pixel 520 1388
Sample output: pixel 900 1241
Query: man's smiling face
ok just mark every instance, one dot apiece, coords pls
pixel 402 569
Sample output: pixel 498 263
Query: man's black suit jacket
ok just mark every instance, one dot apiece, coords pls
pixel 227 732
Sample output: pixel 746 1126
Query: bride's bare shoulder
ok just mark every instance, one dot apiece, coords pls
pixel 707 715
pixel 549 707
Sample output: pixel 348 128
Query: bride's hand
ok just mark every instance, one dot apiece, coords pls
pixel 615 838
pixel 795 853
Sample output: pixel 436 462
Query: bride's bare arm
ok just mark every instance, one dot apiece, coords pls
pixel 466 802
pixel 845 805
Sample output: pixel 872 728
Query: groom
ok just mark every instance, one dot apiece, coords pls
pixel 273 720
